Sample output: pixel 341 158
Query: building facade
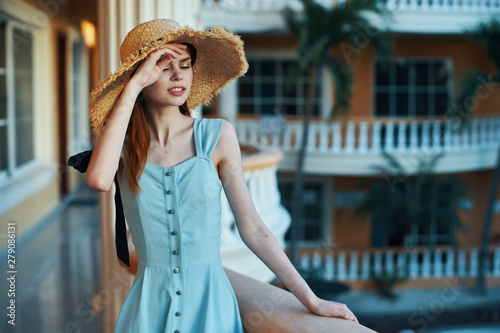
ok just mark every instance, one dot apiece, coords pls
pixel 403 111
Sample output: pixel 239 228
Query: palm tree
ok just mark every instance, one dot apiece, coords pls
pixel 395 208
pixel 318 30
pixel 473 83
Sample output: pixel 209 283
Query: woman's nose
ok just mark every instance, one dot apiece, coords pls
pixel 177 74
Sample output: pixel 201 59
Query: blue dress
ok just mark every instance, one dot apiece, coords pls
pixel 180 286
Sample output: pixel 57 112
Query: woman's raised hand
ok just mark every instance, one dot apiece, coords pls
pixel 151 67
pixel 332 309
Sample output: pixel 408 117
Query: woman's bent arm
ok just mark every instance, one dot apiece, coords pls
pixel 257 236
pixel 106 155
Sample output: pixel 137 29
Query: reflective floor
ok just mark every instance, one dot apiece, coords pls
pixel 58 272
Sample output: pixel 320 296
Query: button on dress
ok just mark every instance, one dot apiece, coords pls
pixel 180 285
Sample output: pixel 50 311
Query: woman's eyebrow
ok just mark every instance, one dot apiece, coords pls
pixel 186 59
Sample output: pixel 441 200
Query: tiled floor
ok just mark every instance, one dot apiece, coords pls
pixel 58 272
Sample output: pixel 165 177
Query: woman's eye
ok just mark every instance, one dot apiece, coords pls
pixel 186 67
pixel 166 68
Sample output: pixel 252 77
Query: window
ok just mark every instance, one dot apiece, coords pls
pixel 77 81
pixel 436 218
pixel 314 220
pixel 413 87
pixel 16 97
pixel 420 211
pixel 262 91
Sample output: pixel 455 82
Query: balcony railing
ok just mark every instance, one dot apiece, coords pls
pixel 483 6
pixel 418 16
pixel 368 139
pixel 410 263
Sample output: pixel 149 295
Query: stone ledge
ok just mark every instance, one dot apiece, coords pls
pixel 265 308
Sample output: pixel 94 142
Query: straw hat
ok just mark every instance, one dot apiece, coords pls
pixel 219 60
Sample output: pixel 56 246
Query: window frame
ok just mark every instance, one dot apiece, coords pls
pixel 12 170
pixel 325 240
pixel 79 132
pixel 392 87
pixel 324 94
pixel 23 183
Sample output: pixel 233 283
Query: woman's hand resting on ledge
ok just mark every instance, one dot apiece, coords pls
pixel 332 309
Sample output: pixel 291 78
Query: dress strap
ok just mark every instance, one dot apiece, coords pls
pixel 208 132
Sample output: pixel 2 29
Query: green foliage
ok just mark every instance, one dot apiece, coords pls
pixel 474 81
pixel 488 34
pixel 399 202
pixel 385 282
pixel 319 29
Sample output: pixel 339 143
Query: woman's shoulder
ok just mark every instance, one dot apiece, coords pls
pixel 227 145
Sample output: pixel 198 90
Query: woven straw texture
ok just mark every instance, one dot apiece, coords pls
pixel 220 59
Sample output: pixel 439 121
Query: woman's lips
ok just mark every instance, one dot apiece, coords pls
pixel 176 91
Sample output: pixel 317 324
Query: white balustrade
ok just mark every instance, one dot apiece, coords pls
pixel 389 136
pixel 402 5
pixel 389 263
pixel 401 264
pixel 426 265
pixel 369 137
pixel 473 262
pixel 353 266
pixel 413 271
pixel 341 267
pixel 311 137
pixel 475 133
pixel 337 137
pixel 496 263
pixel 376 143
pixel 350 137
pixel 316 262
pixel 329 268
pixel 363 138
pixel 450 263
pixel 412 264
pixel 401 137
pixel 461 264
pixel 365 267
pixel 438 264
pixel 436 136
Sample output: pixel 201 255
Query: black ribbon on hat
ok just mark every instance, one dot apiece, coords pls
pixel 80 162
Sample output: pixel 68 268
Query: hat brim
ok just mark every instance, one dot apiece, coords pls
pixel 220 59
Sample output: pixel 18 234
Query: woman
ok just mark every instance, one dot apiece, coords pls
pixel 171 169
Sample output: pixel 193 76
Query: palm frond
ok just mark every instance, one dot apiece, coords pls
pixel 472 84
pixel 292 21
pixel 488 34
pixel 383 43
pixel 341 74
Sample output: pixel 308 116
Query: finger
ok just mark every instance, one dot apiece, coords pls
pixel 175 47
pixel 165 61
pixel 351 316
pixel 346 314
pixel 159 54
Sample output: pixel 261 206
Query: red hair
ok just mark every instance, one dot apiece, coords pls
pixel 137 141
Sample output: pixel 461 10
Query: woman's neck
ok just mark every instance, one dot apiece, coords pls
pixel 165 123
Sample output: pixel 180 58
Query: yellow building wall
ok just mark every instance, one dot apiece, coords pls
pixel 26 214
pixel 33 209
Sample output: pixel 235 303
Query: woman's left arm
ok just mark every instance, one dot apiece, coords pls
pixel 255 233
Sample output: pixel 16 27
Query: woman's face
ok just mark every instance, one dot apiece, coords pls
pixel 174 84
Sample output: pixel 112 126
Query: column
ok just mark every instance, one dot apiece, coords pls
pixel 115 20
pixel 228 102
